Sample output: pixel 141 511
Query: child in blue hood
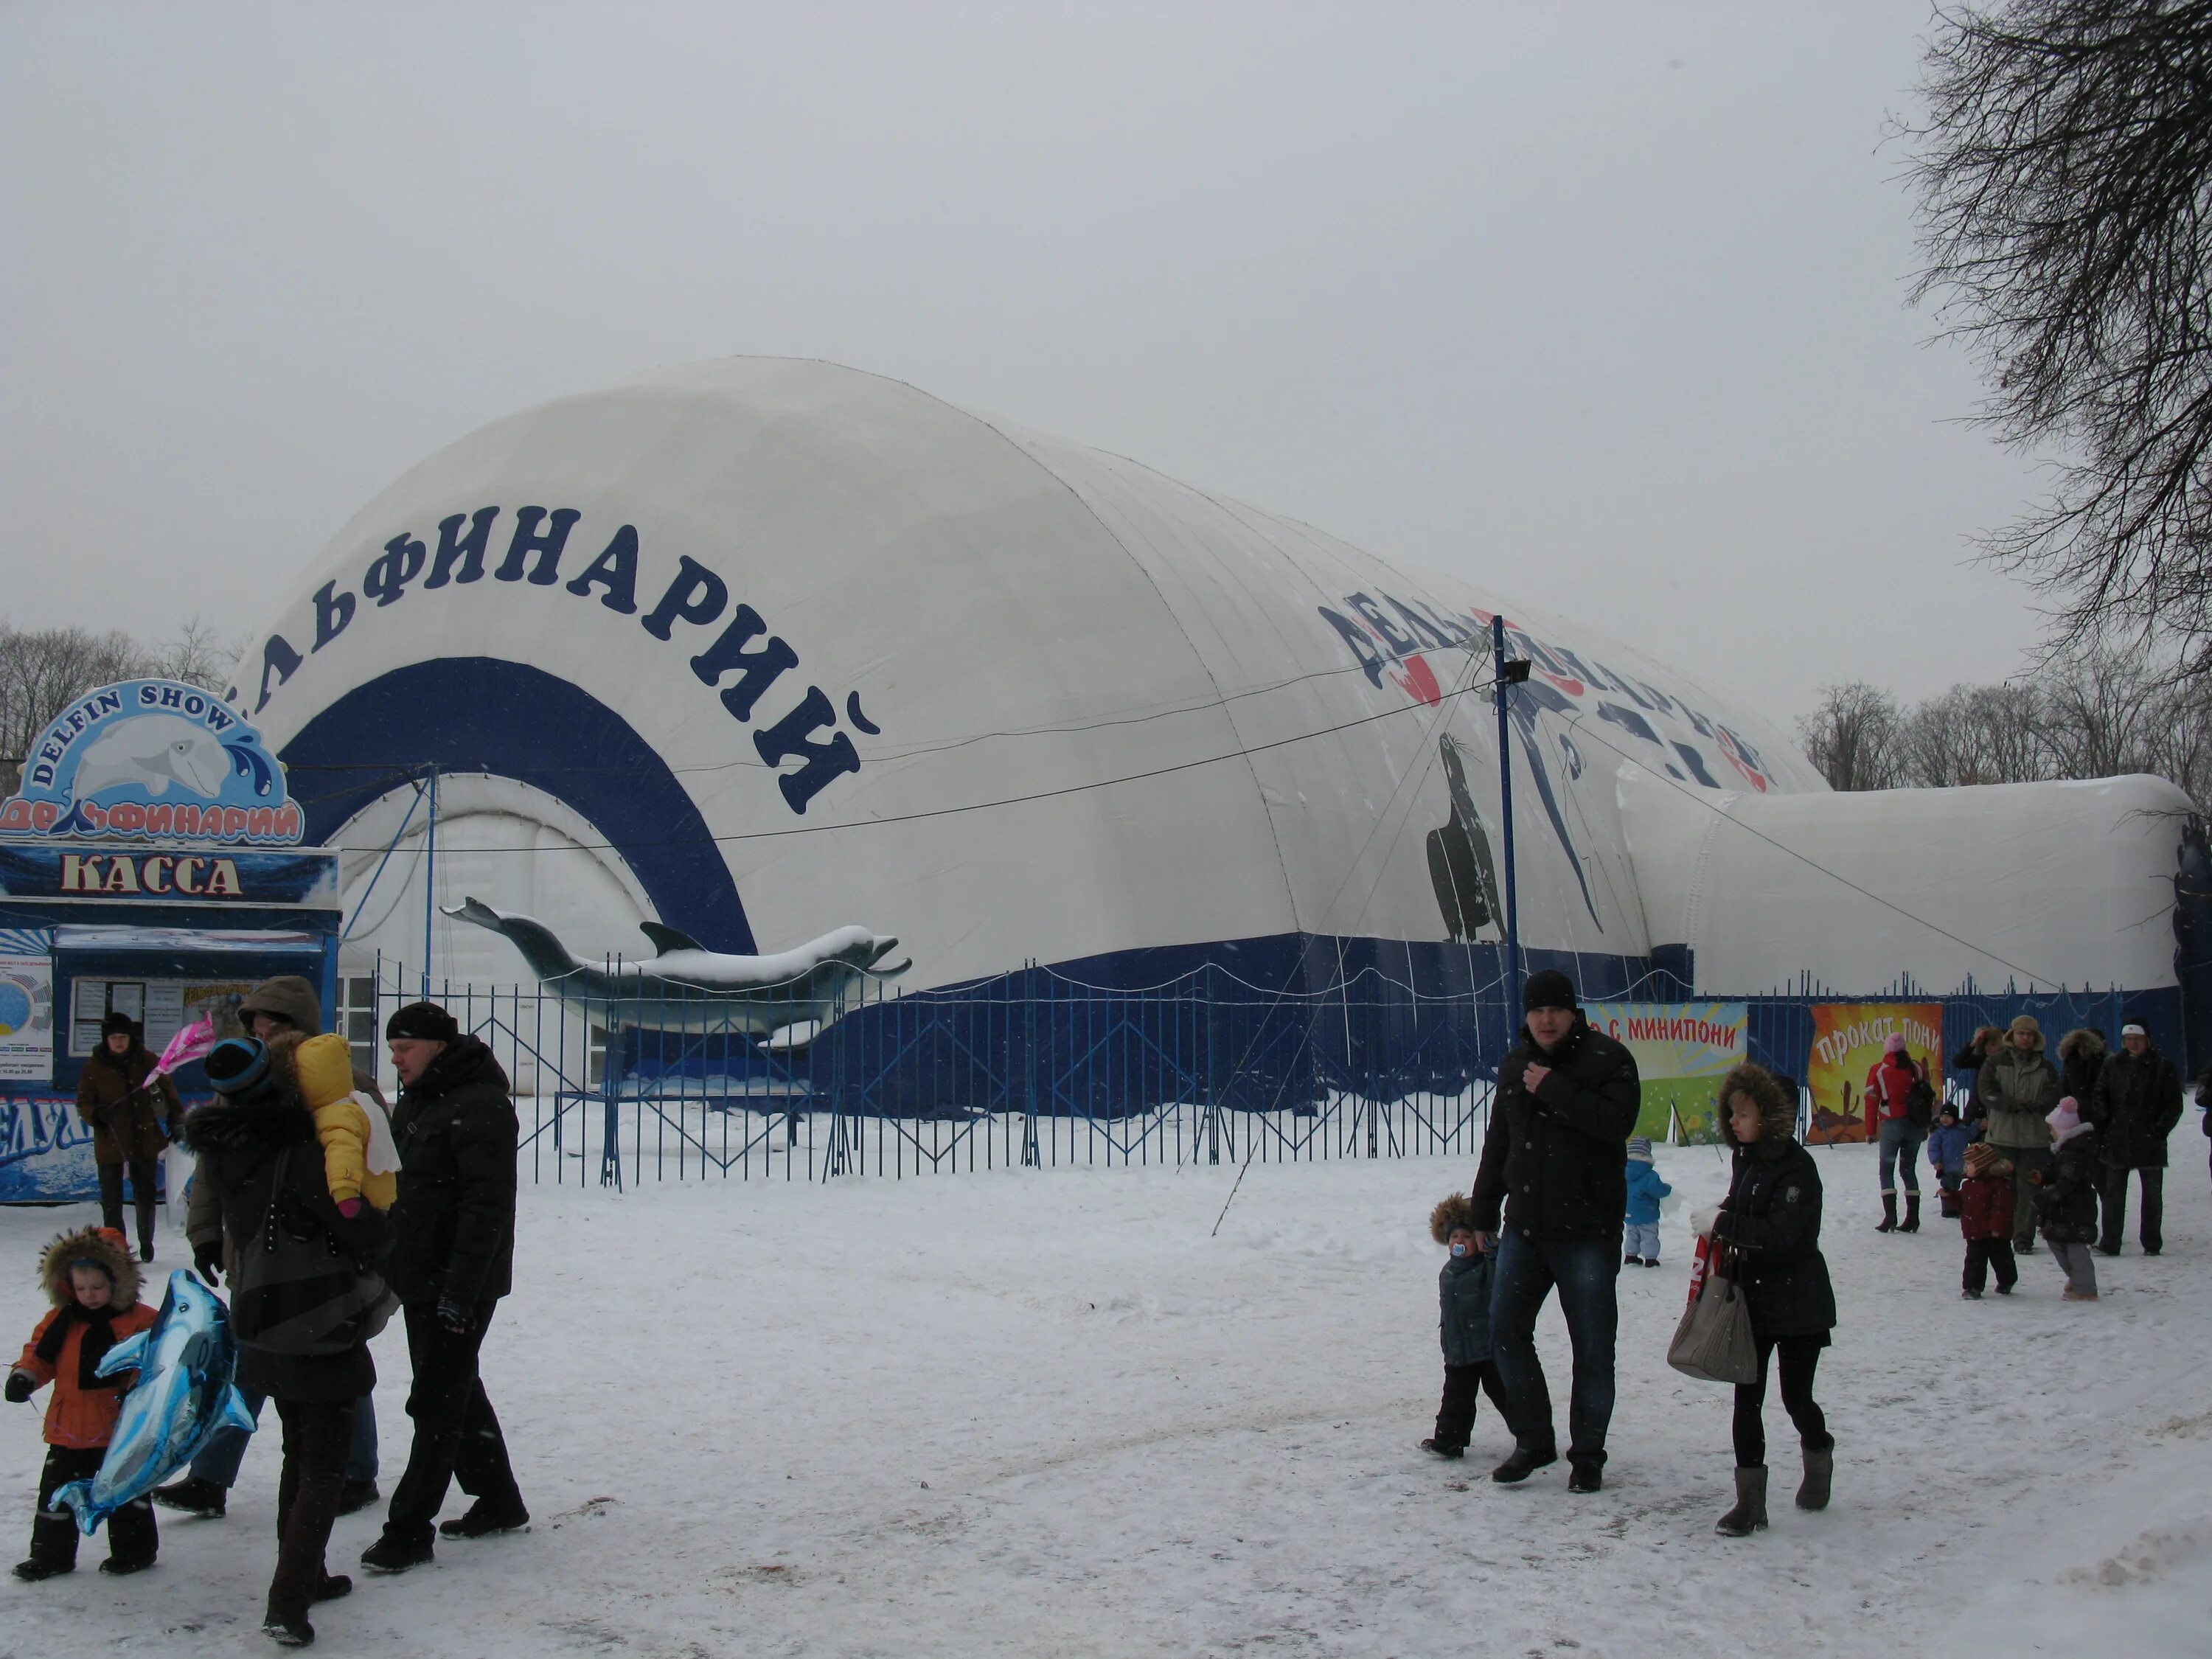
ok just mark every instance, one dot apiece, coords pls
pixel 1640 1240
pixel 1947 1153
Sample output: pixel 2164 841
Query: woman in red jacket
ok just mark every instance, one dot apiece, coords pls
pixel 1888 1096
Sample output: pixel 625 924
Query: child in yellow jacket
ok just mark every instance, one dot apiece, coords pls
pixel 361 1161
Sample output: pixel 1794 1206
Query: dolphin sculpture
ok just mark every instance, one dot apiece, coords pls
pixel 184 1394
pixel 688 987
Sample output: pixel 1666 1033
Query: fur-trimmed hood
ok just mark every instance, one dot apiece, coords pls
pixel 1457 1211
pixel 1778 1108
pixel 100 1245
pixel 2082 1041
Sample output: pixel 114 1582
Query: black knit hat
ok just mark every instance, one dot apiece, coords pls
pixel 238 1068
pixel 1548 989
pixel 120 1023
pixel 424 1022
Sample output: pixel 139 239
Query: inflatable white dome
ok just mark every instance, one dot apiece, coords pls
pixel 758 648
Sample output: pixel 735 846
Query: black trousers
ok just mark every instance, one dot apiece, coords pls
pixel 1800 1356
pixel 317 1440
pixel 143 1181
pixel 457 1435
pixel 1983 1253
pixel 2113 1190
pixel 131 1535
pixel 1463 1386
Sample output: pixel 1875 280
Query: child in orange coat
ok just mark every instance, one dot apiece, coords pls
pixel 92 1283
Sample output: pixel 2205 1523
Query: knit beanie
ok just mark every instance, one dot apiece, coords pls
pixel 1639 1149
pixel 1895 1045
pixel 118 1023
pixel 1549 988
pixel 2065 1116
pixel 423 1021
pixel 238 1068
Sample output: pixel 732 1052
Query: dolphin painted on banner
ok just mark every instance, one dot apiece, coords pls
pixel 184 1394
pixel 153 752
pixel 688 987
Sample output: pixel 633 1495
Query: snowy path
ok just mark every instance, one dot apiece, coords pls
pixel 1044 1414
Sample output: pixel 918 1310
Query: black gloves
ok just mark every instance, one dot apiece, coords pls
pixel 457 1320
pixel 20 1384
pixel 208 1258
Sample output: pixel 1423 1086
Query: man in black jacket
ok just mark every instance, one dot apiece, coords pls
pixel 1556 1158
pixel 453 1253
pixel 2134 1105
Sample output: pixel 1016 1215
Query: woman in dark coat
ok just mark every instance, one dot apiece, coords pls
pixel 126 1115
pixel 242 1138
pixel 1771 1223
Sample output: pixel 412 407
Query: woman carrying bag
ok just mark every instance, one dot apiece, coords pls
pixel 303 1301
pixel 1771 1226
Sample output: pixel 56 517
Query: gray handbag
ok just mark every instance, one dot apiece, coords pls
pixel 1714 1342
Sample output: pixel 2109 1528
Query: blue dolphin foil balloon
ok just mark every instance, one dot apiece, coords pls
pixel 184 1394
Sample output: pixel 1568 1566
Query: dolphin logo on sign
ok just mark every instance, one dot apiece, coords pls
pixel 152 758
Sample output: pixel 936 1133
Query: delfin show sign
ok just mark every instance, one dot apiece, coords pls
pixel 151 760
pixel 1682 1049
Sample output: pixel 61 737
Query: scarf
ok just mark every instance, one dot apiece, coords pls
pixel 99 1338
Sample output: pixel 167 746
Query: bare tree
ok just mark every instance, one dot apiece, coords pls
pixel 1852 736
pixel 2065 202
pixel 41 670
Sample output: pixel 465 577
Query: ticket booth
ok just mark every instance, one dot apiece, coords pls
pixel 150 866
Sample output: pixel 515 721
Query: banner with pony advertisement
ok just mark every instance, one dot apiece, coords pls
pixel 1848 1040
pixel 1683 1050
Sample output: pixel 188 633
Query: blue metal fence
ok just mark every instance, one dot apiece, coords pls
pixel 1039 1069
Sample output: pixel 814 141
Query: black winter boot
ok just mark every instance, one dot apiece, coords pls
pixel 1820 1470
pixel 1749 1515
pixel 1911 1222
pixel 193 1495
pixel 1888 1213
pixel 1521 1465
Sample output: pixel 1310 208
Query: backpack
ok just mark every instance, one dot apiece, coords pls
pixel 299 1291
pixel 1920 1101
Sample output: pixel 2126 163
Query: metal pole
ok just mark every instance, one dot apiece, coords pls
pixel 1502 692
pixel 430 882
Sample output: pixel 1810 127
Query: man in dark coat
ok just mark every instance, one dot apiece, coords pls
pixel 453 1255
pixel 1555 1158
pixel 2134 1106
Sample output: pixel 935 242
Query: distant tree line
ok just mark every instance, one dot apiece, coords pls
pixel 2097 713
pixel 42 670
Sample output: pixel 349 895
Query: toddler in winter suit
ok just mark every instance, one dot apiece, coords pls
pixel 2066 1197
pixel 1947 1153
pixel 1464 1289
pixel 1985 1201
pixel 92 1283
pixel 360 1160
pixel 1640 1230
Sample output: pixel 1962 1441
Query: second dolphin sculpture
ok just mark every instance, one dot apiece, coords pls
pixel 688 987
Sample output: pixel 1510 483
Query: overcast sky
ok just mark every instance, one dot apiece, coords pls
pixel 1599 306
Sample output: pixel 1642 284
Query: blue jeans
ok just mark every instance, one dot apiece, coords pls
pixel 1584 1269
pixel 219 1459
pixel 1901 1136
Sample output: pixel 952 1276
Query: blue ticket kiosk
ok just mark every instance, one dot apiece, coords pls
pixel 148 866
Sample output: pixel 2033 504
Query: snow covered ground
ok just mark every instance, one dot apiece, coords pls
pixel 1033 1413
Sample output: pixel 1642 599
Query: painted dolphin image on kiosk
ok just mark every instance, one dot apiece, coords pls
pixel 185 1361
pixel 688 987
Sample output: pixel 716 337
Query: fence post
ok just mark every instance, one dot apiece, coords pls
pixel 1030 1157
pixel 610 1171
